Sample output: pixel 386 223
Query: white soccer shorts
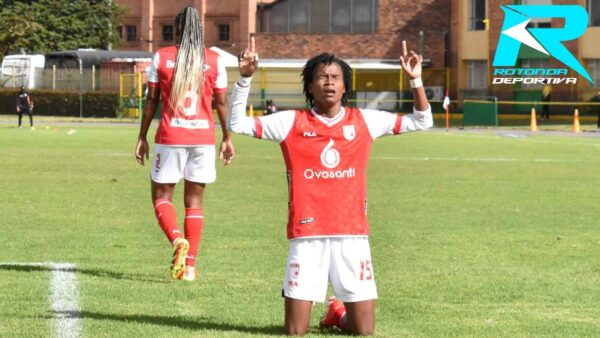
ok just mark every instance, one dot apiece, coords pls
pixel 345 261
pixel 172 163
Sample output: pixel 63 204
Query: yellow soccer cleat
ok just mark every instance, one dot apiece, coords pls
pixel 180 249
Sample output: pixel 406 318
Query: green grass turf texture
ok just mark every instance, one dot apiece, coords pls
pixel 473 234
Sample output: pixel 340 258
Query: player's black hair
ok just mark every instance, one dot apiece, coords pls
pixel 312 65
pixel 180 20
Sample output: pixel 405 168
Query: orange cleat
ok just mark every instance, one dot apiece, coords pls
pixel 180 249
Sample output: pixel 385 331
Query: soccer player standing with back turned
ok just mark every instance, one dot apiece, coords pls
pixel 186 76
pixel 326 150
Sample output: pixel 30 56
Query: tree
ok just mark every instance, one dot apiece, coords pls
pixel 52 25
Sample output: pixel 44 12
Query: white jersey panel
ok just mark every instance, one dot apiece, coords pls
pixel 221 74
pixel 153 72
pixel 382 123
pixel 274 127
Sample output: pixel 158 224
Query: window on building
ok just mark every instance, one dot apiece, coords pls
pixel 541 22
pixel 593 7
pixel 593 67
pixel 131 33
pixel 224 32
pixel 320 16
pixel 167 33
pixel 477 74
pixel 477 15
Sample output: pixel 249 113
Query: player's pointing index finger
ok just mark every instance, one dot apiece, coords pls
pixel 252 45
pixel 404 50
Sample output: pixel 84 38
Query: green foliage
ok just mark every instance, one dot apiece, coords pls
pixel 52 25
pixel 63 103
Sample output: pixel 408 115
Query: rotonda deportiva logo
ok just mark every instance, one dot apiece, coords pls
pixel 545 40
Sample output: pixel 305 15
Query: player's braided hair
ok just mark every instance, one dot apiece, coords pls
pixel 312 65
pixel 189 66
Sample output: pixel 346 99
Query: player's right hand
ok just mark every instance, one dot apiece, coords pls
pixel 142 150
pixel 248 60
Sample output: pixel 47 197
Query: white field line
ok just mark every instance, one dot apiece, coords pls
pixel 63 298
pixel 466 159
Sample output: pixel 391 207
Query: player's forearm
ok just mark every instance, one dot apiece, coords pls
pixel 421 102
pixel 222 115
pixel 238 122
pixel 147 115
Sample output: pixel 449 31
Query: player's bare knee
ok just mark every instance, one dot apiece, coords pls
pixel 364 332
pixel 295 331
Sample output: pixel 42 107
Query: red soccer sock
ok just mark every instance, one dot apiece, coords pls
pixel 167 218
pixel 193 224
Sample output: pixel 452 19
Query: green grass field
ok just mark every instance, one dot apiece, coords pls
pixel 473 234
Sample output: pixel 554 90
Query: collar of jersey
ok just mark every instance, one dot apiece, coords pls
pixel 329 121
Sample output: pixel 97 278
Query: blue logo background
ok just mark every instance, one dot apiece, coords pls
pixel 545 40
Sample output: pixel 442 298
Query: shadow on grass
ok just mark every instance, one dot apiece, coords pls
pixel 89 272
pixel 202 323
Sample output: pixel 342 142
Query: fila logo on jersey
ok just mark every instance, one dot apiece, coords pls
pixel 330 158
pixel 309 134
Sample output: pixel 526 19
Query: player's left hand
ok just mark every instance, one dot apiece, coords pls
pixel 248 59
pixel 227 152
pixel 411 62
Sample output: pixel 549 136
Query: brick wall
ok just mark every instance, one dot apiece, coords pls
pixel 398 20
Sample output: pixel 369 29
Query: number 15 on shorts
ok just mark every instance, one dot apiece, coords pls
pixel 366 273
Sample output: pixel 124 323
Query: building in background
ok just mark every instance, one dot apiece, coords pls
pixel 458 35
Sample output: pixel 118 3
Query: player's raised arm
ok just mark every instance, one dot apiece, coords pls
pixel 238 122
pixel 273 127
pixel 421 118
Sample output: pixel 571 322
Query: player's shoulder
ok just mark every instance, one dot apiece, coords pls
pixel 168 50
pixel 210 52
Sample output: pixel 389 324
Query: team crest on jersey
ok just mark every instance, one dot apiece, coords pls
pixel 349 132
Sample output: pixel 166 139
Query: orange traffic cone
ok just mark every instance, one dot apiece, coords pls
pixel 533 123
pixel 576 126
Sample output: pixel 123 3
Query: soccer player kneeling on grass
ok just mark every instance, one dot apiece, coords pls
pixel 326 150
pixel 186 76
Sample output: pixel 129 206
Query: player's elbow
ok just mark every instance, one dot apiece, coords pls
pixel 428 122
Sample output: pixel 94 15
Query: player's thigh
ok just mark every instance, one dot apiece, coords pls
pixel 351 274
pixel 200 165
pixel 168 164
pixel 307 269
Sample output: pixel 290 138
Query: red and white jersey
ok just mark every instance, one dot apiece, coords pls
pixel 193 123
pixel 326 161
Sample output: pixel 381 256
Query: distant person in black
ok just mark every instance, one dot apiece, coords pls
pixel 24 106
pixel 546 97
pixel 271 108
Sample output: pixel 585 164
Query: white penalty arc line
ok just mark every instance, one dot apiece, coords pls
pixel 63 298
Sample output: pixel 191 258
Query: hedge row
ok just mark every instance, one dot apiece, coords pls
pixel 63 103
